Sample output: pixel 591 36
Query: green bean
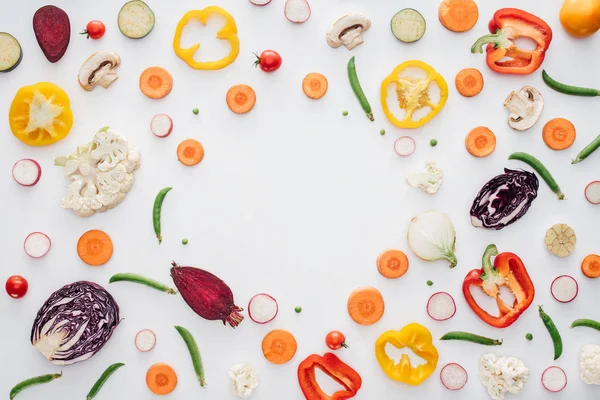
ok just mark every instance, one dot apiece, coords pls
pixel 194 353
pixel 587 150
pixel 38 380
pixel 588 323
pixel 553 331
pixel 540 169
pixel 568 89
pixel 160 197
pixel 135 278
pixel 102 380
pixel 469 337
pixel 357 89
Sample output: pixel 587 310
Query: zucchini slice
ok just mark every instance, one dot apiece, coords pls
pixel 11 53
pixel 136 19
pixel 408 25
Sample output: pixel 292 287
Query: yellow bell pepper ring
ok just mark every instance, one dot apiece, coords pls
pixel 40 114
pixel 228 32
pixel 413 94
pixel 415 337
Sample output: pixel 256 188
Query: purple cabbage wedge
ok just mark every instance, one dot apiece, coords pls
pixel 504 199
pixel 74 323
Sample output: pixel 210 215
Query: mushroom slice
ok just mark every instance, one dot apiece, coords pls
pixel 347 30
pixel 525 108
pixel 99 69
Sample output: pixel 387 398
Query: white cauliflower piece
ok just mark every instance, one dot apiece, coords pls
pixel 429 180
pixel 102 173
pixel 244 379
pixel 502 374
pixel 589 364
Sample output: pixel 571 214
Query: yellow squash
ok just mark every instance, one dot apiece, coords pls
pixel 580 18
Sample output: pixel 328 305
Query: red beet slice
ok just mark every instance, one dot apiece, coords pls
pixel 206 294
pixel 53 31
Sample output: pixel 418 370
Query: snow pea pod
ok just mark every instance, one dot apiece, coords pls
pixel 194 353
pixel 135 278
pixel 470 337
pixel 37 380
pixel 587 150
pixel 357 89
pixel 588 323
pixel 541 170
pixel 156 212
pixel 568 89
pixel 553 331
pixel 102 380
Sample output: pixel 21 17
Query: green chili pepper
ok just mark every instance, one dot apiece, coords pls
pixel 194 353
pixel 554 334
pixel 298 309
pixel 529 337
pixel 357 89
pixel 587 150
pixel 541 170
pixel 160 197
pixel 568 89
pixel 102 380
pixel 38 380
pixel 135 278
pixel 588 323
pixel 470 337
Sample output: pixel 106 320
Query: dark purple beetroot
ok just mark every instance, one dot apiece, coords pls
pixel 53 31
pixel 206 294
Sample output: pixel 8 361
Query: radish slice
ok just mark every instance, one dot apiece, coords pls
pixel 441 306
pixel 564 288
pixel 262 308
pixel 260 2
pixel 161 125
pixel 554 379
pixel 37 245
pixel 297 11
pixel 27 172
pixel 145 340
pixel 453 376
pixel 592 192
pixel 405 146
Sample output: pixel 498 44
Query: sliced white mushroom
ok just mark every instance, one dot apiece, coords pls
pixel 99 69
pixel 348 30
pixel 525 108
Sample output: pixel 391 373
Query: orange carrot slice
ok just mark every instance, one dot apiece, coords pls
pixel 392 264
pixel 365 305
pixel 156 82
pixel 161 379
pixel 190 152
pixel 95 248
pixel 559 134
pixel 590 266
pixel 458 15
pixel 469 82
pixel 481 142
pixel 315 85
pixel 241 99
pixel 279 346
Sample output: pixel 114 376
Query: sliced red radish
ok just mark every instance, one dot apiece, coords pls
pixel 297 11
pixel 441 306
pixel 27 172
pixel 405 146
pixel 145 340
pixel 554 379
pixel 564 288
pixel 592 192
pixel 37 244
pixel 262 308
pixel 161 125
pixel 260 2
pixel 453 376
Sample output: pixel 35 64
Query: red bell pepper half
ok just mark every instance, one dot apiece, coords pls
pixel 503 55
pixel 507 270
pixel 339 371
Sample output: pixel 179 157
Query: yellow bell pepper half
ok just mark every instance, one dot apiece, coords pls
pixel 413 94
pixel 40 114
pixel 228 32
pixel 415 337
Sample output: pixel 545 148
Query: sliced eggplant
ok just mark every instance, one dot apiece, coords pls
pixel 136 19
pixel 11 53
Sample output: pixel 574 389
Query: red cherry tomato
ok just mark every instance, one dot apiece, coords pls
pixel 336 340
pixel 16 286
pixel 268 61
pixel 94 29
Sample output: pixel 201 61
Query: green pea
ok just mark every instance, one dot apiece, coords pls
pixel 429 283
pixel 529 336
pixel 433 142
pixel 195 111
pixel 184 242
pixel 382 132
pixel 344 113
pixel 298 309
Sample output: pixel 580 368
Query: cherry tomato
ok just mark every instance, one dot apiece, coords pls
pixel 336 340
pixel 94 29
pixel 268 61
pixel 16 286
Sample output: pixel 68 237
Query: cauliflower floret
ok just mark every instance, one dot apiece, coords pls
pixel 244 379
pixel 502 374
pixel 428 180
pixel 589 364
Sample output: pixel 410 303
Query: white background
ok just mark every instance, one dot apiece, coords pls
pixel 292 199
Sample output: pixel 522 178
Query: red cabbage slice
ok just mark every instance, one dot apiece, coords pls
pixel 504 199
pixel 74 323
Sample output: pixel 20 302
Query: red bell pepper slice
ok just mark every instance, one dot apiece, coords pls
pixel 339 371
pixel 503 55
pixel 507 270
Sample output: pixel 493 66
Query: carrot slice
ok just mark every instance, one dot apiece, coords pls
pixel 458 15
pixel 365 305
pixel 95 248
pixel 392 264
pixel 156 82
pixel 279 346
pixel 559 134
pixel 190 152
pixel 590 266
pixel 161 379
pixel 469 82
pixel 315 85
pixel 481 142
pixel 241 99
